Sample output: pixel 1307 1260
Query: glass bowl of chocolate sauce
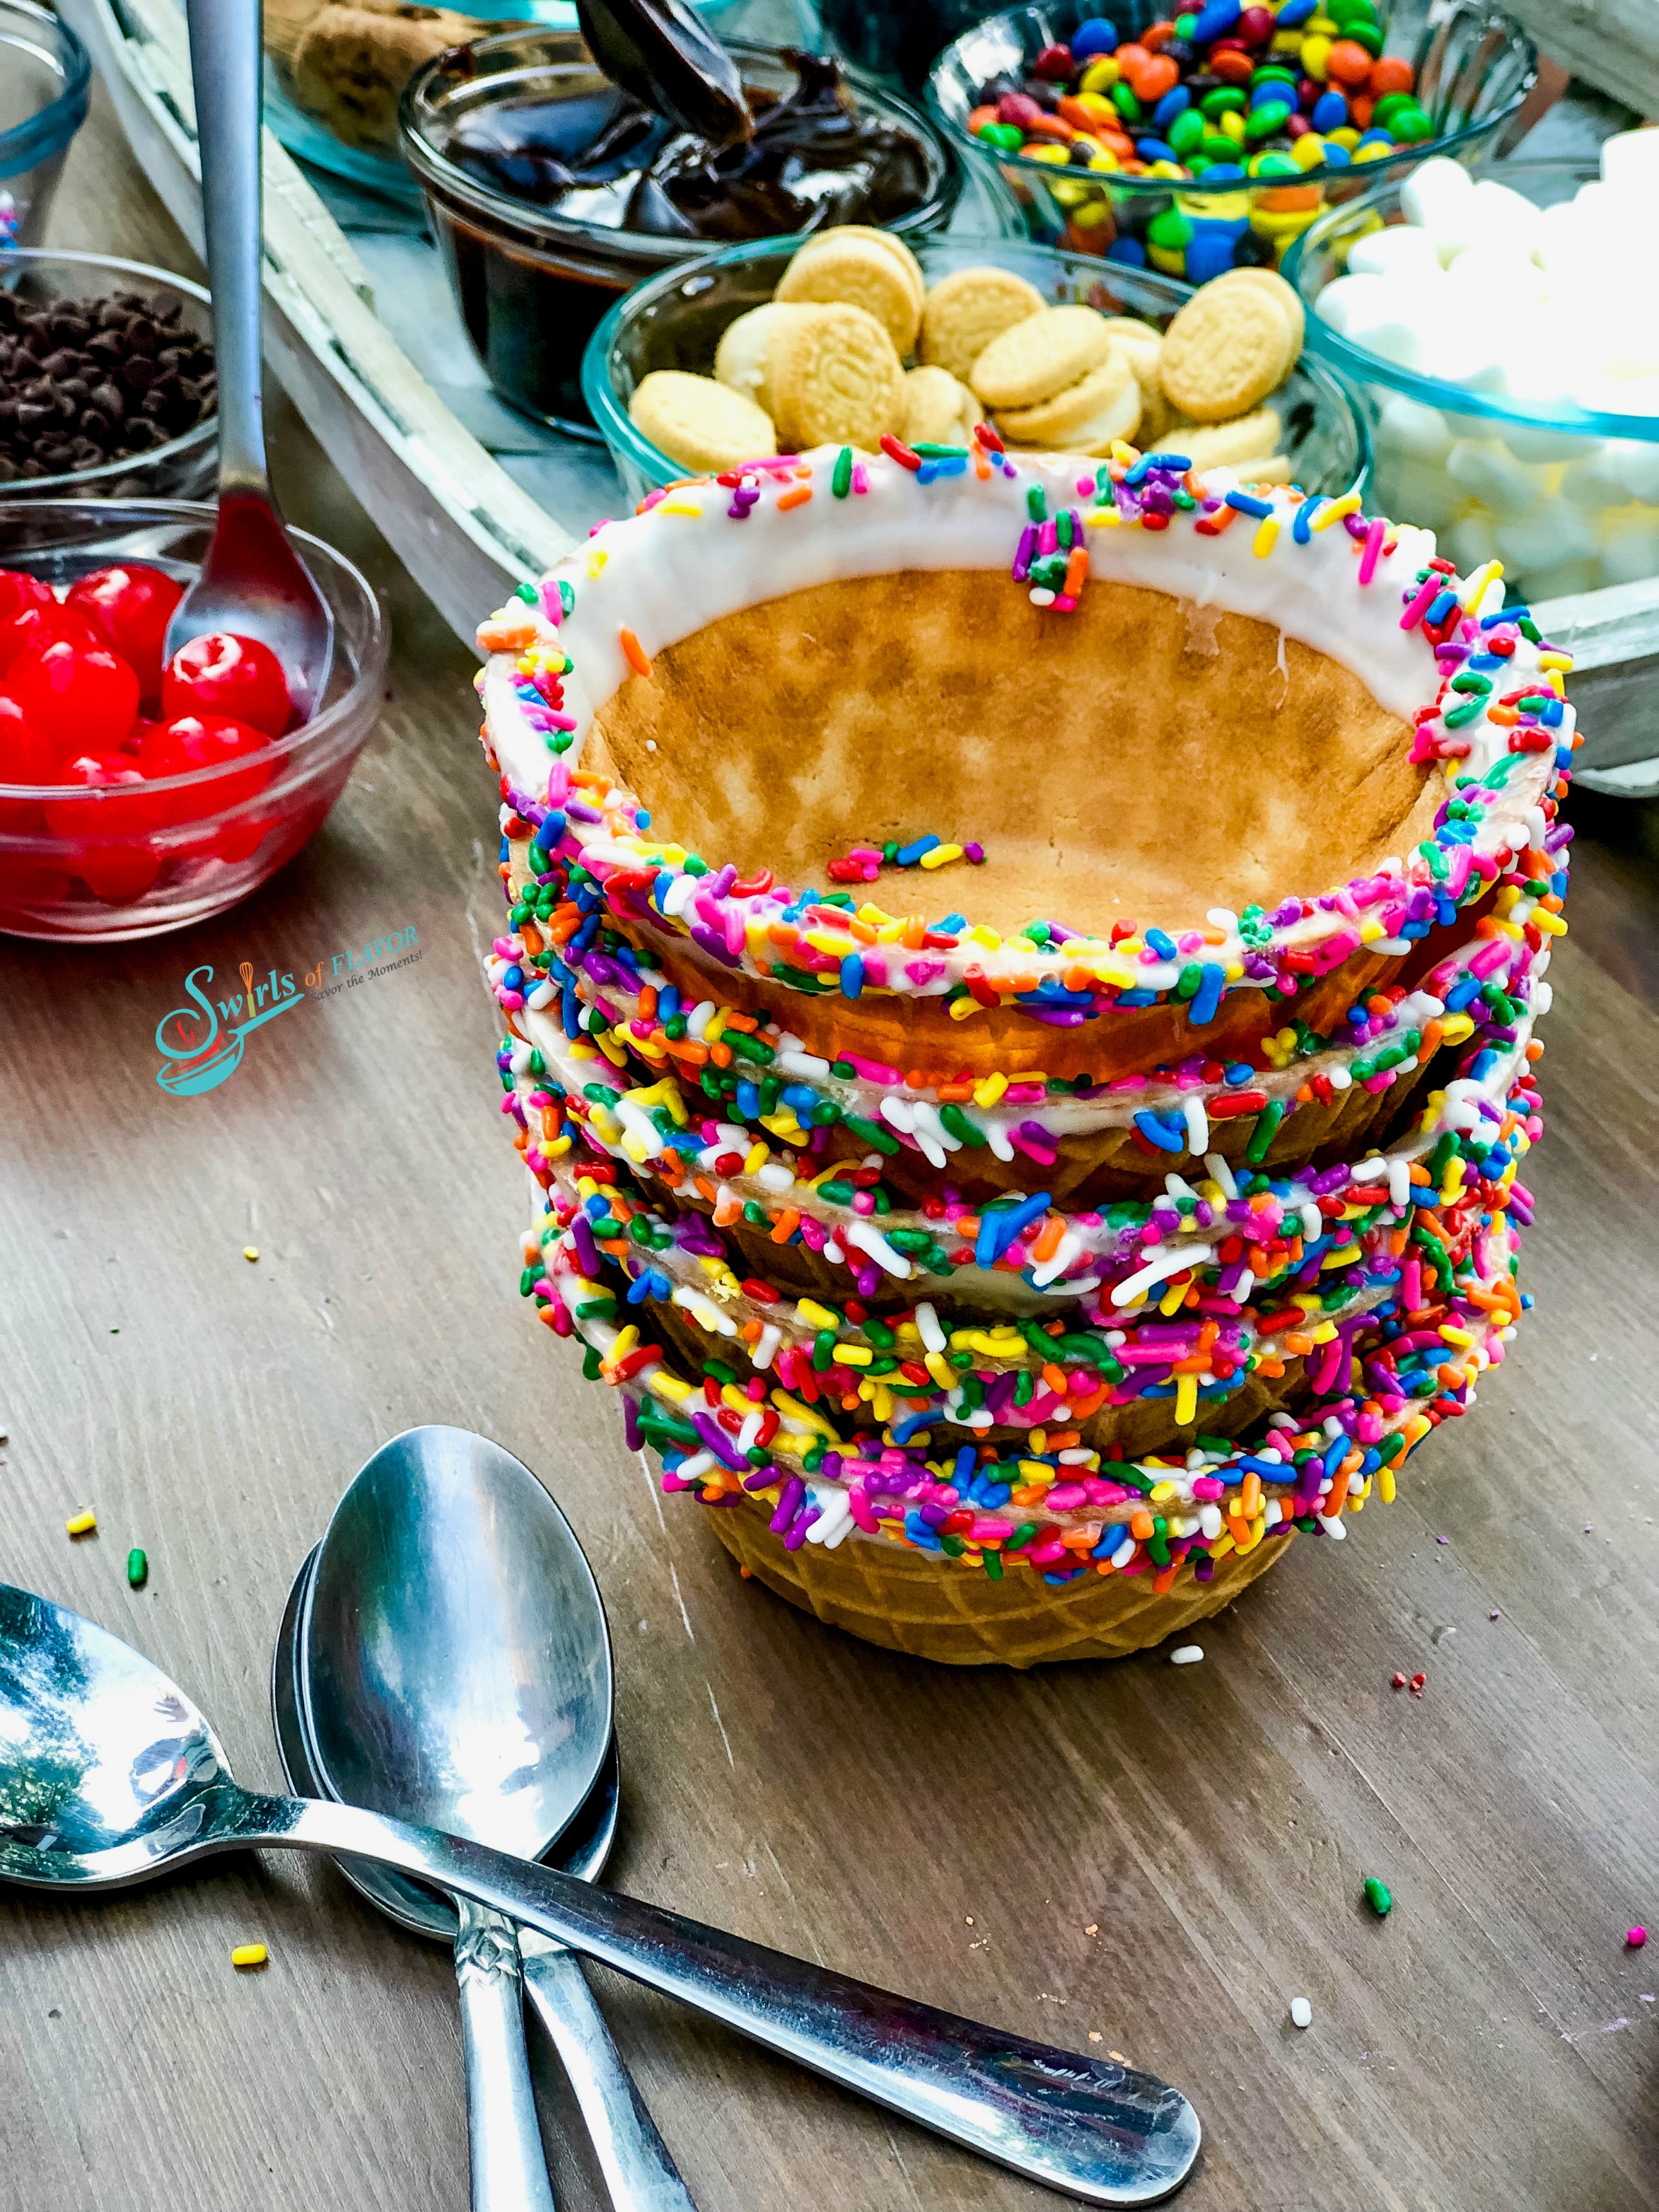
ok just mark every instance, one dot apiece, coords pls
pixel 551 193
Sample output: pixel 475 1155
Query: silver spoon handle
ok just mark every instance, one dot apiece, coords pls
pixel 224 66
pixel 509 2166
pixel 1091 2127
pixel 638 2171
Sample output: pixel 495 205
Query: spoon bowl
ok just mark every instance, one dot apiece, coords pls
pixel 581 1849
pixel 452 1662
pixel 658 51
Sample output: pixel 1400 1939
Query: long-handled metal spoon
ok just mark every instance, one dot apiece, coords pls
pixel 110 1776
pixel 444 1657
pixel 251 580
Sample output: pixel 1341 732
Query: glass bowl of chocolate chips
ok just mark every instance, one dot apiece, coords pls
pixel 108 388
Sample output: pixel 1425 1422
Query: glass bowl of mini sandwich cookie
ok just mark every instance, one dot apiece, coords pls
pixel 863 336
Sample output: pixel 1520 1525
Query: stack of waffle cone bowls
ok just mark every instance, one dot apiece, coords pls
pixel 1018 991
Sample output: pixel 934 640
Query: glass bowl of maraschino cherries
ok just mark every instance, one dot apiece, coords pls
pixel 137 793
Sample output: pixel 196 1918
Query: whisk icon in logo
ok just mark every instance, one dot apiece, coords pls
pixel 199 1052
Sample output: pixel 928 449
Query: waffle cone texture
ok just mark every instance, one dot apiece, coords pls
pixel 905 1600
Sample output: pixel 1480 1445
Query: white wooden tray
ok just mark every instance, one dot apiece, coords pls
pixel 362 332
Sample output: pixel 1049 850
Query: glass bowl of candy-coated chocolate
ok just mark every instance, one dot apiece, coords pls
pixel 45 82
pixel 107 387
pixel 676 322
pixel 1257 144
pixel 551 193
pixel 129 860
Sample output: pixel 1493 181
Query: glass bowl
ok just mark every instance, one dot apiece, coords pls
pixel 676 322
pixel 185 467
pixel 1545 487
pixel 386 173
pixel 531 283
pixel 97 866
pixel 45 82
pixel 1474 67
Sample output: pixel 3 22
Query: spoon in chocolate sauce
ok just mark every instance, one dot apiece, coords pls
pixel 658 51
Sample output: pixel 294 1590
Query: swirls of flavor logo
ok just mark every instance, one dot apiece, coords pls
pixel 201 1044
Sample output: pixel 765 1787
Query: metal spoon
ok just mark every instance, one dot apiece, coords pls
pixel 110 1776
pixel 660 52
pixel 251 580
pixel 449 1621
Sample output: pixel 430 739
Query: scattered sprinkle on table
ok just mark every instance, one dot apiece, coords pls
pixel 1377 1897
pixel 1636 1937
pixel 1095 2036
pixel 250 1252
pixel 137 1568
pixel 1301 2012
pixel 1187 1655
pixel 249 1954
pixel 81 1524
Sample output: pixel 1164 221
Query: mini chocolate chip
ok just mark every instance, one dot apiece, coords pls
pixel 138 372
pixel 108 397
pixel 142 336
pixel 94 424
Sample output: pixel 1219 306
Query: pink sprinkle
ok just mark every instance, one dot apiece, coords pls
pixel 1426 595
pixel 1636 1937
pixel 860 477
pixel 1376 531
pixel 1086 487
pixel 552 604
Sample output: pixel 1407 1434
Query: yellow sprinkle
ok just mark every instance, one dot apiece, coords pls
pixel 81 1524
pixel 1551 924
pixel 1186 1405
pixel 678 506
pixel 1102 517
pixel 249 1954
pixel 1262 543
pixel 811 1310
pixel 941 854
pixel 854 1355
pixel 1161 1493
pixel 598 556
pixel 756 1158
pixel 1555 660
pixel 987 1092
pixel 250 1251
pixel 1348 504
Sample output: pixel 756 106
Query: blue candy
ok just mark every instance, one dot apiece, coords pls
pixel 1337 157
pixel 1129 251
pixel 1098 36
pixel 1154 149
pixel 1210 251
pixel 1224 172
pixel 1215 21
pixel 1172 104
pixel 1294 12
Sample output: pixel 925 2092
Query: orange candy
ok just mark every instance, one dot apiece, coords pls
pixel 1155 76
pixel 1389 73
pixel 1349 63
pixel 1157 36
pixel 1235 68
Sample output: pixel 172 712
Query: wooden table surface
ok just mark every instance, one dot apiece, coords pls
pixel 1160 1858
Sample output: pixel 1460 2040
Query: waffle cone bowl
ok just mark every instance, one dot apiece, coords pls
pixel 1018 989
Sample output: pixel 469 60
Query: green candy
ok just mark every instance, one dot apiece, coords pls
pixel 1172 230
pixel 1007 136
pixel 1267 120
pixel 1377 1897
pixel 1411 126
pixel 1186 133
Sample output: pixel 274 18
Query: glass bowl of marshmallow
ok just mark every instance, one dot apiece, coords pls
pixel 1504 325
